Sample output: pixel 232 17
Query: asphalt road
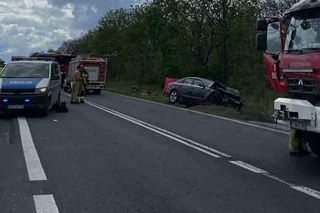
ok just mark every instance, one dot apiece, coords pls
pixel 118 154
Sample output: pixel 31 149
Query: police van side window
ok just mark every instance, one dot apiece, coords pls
pixel 56 70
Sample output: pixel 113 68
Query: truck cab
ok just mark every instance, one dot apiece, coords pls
pixel 291 46
pixel 33 85
pixel 96 68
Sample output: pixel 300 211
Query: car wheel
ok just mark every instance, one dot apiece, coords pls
pixel 215 98
pixel 173 96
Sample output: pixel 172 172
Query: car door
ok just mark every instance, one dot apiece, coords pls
pixel 185 89
pixel 55 82
pixel 198 90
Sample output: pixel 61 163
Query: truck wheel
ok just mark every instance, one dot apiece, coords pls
pixel 314 142
pixel 97 92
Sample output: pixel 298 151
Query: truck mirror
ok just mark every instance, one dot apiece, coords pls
pixel 261 41
pixel 261 24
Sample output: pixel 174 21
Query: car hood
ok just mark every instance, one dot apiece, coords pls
pixel 233 91
pixel 23 83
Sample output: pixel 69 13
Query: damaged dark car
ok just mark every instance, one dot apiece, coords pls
pixel 193 90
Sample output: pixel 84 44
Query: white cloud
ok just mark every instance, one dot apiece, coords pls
pixel 27 26
pixel 34 25
pixel 94 9
pixel 8 51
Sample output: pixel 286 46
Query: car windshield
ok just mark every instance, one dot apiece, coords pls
pixel 303 33
pixel 26 70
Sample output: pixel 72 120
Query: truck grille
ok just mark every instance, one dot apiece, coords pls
pixel 18 91
pixel 302 86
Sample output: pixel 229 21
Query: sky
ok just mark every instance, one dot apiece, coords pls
pixel 28 26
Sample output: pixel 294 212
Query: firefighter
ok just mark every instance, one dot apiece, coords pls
pixel 84 79
pixel 298 144
pixel 76 86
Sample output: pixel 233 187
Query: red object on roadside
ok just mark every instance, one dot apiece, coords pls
pixel 167 81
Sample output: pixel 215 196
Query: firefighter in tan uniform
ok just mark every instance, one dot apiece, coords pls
pixel 76 86
pixel 298 144
pixel 84 81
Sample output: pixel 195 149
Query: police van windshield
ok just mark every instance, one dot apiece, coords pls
pixel 303 33
pixel 26 70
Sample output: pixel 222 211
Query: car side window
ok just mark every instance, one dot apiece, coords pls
pixel 180 81
pixel 198 83
pixel 188 81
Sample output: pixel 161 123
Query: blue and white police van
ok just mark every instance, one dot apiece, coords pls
pixel 34 85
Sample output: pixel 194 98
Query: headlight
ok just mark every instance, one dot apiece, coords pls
pixel 42 90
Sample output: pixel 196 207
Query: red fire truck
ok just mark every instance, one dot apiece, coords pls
pixel 96 68
pixel 291 45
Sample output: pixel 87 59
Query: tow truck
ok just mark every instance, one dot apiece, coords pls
pixel 291 56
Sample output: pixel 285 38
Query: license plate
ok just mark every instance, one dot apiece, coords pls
pixel 302 125
pixel 15 107
pixel 92 87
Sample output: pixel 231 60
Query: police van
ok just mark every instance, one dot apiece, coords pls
pixel 33 85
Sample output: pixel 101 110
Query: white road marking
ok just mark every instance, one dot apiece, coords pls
pixel 182 140
pixel 135 121
pixel 166 131
pixel 45 204
pixel 308 191
pixel 205 114
pixel 248 167
pixel 303 189
pixel 34 167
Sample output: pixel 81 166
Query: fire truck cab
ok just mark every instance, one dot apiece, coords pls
pixel 96 68
pixel 291 46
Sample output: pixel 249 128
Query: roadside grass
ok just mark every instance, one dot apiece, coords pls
pixel 257 106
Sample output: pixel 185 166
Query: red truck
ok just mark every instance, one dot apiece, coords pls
pixel 291 46
pixel 96 68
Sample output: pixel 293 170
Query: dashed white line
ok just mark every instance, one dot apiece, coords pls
pixel 303 189
pixel 248 167
pixel 45 204
pixel 205 149
pixel 34 167
pixel 308 191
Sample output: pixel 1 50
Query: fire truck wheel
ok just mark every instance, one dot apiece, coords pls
pixel 97 92
pixel 314 142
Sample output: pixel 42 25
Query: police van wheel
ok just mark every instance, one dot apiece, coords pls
pixel 314 142
pixel 45 112
pixel 57 104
